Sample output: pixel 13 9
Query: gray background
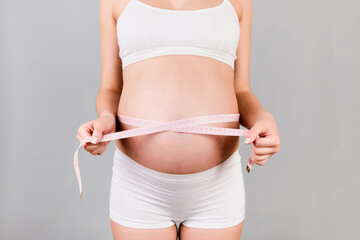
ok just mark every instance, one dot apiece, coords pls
pixel 304 69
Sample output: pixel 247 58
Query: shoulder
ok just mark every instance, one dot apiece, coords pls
pixel 243 8
pixel 106 8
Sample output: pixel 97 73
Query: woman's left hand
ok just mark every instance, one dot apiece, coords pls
pixel 267 144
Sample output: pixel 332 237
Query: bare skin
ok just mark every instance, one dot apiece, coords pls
pixel 173 87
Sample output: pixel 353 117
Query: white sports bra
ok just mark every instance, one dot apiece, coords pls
pixel 144 31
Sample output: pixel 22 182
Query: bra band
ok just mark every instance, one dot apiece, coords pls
pixel 144 31
pixel 189 125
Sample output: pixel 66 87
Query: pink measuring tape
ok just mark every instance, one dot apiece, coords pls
pixel 183 125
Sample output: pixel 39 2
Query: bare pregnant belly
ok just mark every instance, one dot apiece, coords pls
pixel 174 89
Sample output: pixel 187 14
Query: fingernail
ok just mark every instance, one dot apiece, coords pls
pixel 247 140
pixel 94 140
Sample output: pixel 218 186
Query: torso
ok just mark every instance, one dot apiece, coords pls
pixel 167 88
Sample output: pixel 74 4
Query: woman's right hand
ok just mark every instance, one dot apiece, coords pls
pixel 96 129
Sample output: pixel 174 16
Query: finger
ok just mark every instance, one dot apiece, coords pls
pixel 97 133
pixel 253 133
pixel 80 140
pixel 99 150
pixel 92 147
pixel 269 141
pixel 85 130
pixel 261 163
pixel 80 137
pixel 258 159
pixel 259 151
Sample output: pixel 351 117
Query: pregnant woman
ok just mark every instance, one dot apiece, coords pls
pixel 169 60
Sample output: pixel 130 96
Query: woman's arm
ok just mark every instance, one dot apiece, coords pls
pixel 250 107
pixel 253 116
pixel 108 97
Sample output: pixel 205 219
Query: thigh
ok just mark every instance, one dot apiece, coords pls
pixel 121 232
pixel 229 233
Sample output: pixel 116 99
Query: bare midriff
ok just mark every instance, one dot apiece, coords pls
pixel 167 88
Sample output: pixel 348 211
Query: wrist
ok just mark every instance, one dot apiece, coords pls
pixel 264 115
pixel 107 114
